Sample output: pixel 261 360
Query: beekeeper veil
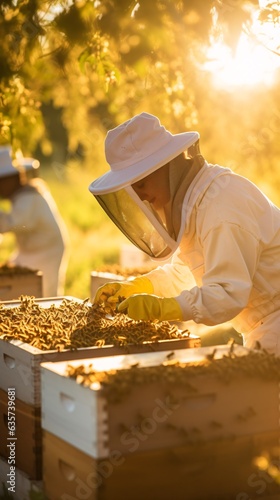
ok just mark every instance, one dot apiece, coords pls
pixel 134 150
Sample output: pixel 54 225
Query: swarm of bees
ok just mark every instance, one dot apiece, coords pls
pixel 74 324
pixel 117 383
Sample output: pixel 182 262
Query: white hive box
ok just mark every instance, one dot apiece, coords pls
pixel 64 402
pixel 20 362
pixel 195 440
pixel 208 407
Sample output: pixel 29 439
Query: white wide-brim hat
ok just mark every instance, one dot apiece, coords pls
pixel 9 167
pixel 137 148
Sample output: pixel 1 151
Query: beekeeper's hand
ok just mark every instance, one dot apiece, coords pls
pixel 110 292
pixel 150 307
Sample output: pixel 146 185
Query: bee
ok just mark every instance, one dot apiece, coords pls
pixel 211 355
pixel 170 355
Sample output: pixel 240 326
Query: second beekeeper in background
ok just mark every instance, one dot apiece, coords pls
pixel 40 233
pixel 222 232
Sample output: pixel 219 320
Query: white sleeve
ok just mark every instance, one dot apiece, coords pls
pixel 231 255
pixel 170 280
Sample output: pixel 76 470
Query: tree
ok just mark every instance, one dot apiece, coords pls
pixel 99 62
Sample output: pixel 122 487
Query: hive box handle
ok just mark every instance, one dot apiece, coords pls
pixel 68 402
pixel 9 361
pixel 66 470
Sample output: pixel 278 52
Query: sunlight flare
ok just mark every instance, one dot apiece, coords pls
pixel 255 61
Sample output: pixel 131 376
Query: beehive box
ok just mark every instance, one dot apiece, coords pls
pixel 24 486
pixel 16 281
pixel 223 470
pixel 160 427
pixel 223 398
pixel 20 361
pixel 28 436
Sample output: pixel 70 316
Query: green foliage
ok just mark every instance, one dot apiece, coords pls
pixel 101 62
pixel 19 113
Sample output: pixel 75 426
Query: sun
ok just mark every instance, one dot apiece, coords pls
pixel 254 62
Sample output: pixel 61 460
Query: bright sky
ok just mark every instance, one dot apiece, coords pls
pixel 252 63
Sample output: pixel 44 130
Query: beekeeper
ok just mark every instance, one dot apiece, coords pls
pixel 222 232
pixel 40 234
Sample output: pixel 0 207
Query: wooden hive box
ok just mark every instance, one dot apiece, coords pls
pixel 197 439
pixel 222 470
pixel 20 368
pixel 13 285
pixel 20 362
pixel 209 406
pixel 28 436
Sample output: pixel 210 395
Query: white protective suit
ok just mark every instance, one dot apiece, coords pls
pixel 40 234
pixel 227 265
pixel 221 231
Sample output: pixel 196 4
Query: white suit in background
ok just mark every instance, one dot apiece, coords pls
pixel 39 230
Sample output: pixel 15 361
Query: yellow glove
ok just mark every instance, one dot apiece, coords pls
pixel 149 307
pixel 110 292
